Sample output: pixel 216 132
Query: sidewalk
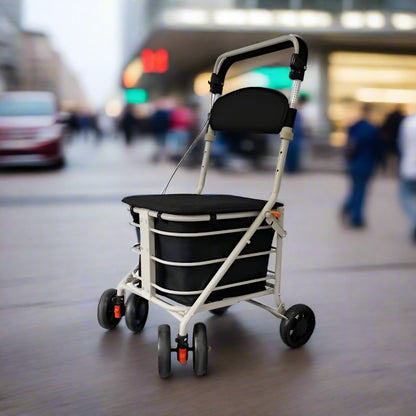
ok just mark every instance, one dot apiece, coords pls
pixel 67 238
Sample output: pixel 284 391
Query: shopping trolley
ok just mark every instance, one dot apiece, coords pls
pixel 202 252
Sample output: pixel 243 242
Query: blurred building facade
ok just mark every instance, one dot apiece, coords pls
pixel 10 20
pixel 28 60
pixel 38 63
pixel 41 68
pixel 360 50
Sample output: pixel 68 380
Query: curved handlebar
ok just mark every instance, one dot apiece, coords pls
pixel 297 64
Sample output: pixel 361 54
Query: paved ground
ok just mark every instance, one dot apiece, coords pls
pixel 65 239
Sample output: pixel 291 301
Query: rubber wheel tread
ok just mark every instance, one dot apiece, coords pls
pixel 137 309
pixel 164 351
pixel 200 347
pixel 105 310
pixel 298 328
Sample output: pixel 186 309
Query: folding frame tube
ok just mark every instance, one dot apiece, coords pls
pixel 273 311
pixel 278 269
pixel 281 39
pixel 209 139
pixel 147 250
pixel 121 287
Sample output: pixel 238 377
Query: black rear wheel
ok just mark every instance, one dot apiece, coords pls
pixel 164 351
pixel 298 327
pixel 200 356
pixel 105 310
pixel 137 309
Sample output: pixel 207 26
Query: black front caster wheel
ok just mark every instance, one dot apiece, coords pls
pixel 298 328
pixel 200 349
pixel 105 312
pixel 164 351
pixel 137 309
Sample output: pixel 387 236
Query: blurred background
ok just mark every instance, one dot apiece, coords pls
pixel 121 66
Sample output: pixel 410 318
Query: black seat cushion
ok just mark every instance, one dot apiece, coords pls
pixel 250 110
pixel 194 204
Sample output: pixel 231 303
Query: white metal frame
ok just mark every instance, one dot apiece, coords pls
pixel 145 285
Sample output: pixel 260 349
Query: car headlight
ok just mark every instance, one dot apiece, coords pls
pixel 51 132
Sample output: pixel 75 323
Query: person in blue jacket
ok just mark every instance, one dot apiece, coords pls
pixel 364 151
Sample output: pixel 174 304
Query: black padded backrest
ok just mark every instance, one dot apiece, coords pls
pixel 250 110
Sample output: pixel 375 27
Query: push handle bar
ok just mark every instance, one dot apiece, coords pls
pixel 297 64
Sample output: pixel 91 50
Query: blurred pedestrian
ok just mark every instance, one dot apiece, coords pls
pixel 105 124
pixel 128 123
pixel 407 170
pixel 95 127
pixel 73 124
pixel 160 125
pixel 390 129
pixel 181 123
pixel 364 151
pixel 224 150
pixel 85 123
pixel 294 152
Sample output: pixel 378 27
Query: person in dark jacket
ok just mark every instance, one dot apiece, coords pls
pixel 390 131
pixel 160 127
pixel 364 151
pixel 128 123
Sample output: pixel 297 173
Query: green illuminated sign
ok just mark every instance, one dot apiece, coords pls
pixel 278 77
pixel 136 96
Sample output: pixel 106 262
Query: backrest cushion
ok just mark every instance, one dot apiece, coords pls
pixel 250 110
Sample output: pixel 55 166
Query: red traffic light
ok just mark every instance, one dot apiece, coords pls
pixel 154 61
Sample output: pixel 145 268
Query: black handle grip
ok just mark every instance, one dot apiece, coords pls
pixel 297 63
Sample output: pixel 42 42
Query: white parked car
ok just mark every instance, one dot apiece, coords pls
pixel 30 129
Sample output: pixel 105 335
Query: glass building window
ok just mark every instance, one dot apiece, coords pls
pixel 388 5
pixel 274 4
pixel 335 6
pixel 327 5
pixel 368 5
pixel 400 5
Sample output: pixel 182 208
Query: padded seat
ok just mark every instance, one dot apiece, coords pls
pixel 195 204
